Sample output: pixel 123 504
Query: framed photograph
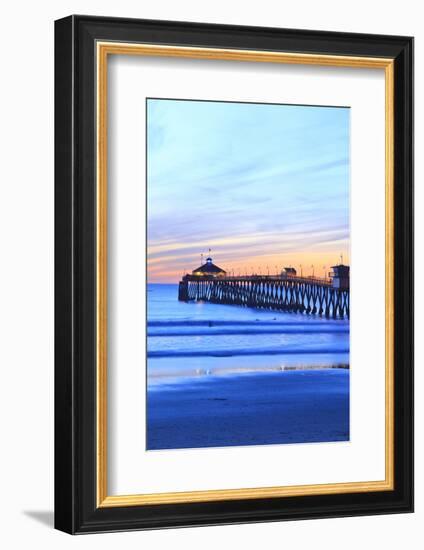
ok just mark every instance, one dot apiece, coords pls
pixel 234 274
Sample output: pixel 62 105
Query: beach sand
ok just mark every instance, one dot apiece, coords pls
pixel 249 409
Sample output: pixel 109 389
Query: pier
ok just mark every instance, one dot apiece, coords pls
pixel 286 292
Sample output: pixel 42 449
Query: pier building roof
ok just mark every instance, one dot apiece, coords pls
pixel 209 268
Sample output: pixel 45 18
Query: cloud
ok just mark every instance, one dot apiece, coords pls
pixel 244 178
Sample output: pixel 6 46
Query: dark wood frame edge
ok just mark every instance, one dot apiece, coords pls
pixel 75 272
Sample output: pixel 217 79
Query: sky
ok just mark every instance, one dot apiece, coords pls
pixel 263 186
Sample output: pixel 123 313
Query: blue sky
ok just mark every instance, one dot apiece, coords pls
pixel 261 185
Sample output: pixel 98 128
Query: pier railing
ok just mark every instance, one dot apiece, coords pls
pixel 308 295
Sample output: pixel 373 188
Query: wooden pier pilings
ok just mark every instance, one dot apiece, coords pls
pixel 291 294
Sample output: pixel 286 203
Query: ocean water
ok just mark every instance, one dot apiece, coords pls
pixel 186 341
pixel 223 375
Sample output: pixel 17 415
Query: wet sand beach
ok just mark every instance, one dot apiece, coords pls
pixel 249 409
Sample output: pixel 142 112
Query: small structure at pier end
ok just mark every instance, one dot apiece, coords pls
pixel 340 276
pixel 209 269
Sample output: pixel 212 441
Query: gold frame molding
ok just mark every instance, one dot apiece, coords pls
pixel 104 49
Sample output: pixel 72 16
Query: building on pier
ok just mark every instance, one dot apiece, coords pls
pixel 288 272
pixel 340 276
pixel 209 269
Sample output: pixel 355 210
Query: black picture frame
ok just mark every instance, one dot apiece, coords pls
pixel 76 508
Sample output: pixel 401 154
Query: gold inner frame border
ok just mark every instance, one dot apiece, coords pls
pixel 103 50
